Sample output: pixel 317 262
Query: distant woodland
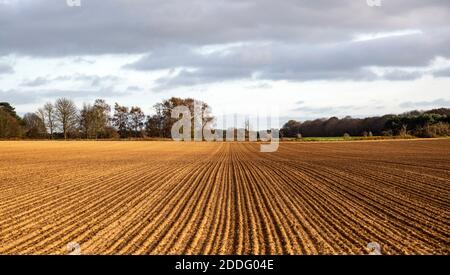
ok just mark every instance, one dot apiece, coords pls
pixel 62 119
pixel 426 124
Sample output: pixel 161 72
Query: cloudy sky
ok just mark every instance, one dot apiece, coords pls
pixel 307 58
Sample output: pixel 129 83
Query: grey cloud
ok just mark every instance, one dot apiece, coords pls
pixel 294 40
pixel 117 26
pixel 94 81
pixel 62 78
pixel 20 97
pixel 134 88
pixel 201 76
pixel 39 81
pixel 326 111
pixel 83 60
pixel 260 86
pixel 6 69
pixel 441 102
pixel 398 75
pixel 76 94
pixel 415 50
pixel 442 73
pixel 296 62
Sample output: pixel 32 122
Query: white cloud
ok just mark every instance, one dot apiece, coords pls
pixel 381 35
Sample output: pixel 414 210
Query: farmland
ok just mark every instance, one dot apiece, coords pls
pixel 114 197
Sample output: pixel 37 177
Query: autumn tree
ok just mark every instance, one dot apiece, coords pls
pixel 5 106
pixel 10 123
pixel 161 123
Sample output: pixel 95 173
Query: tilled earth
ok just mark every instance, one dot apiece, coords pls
pixel 224 198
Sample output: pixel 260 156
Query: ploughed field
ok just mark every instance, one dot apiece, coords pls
pixel 224 198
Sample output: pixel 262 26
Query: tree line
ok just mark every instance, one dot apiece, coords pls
pixel 62 119
pixel 432 123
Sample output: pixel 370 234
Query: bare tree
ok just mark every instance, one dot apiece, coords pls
pixel 47 115
pixel 66 114
pixel 120 119
pixel 154 125
pixel 136 121
pixel 50 115
pixel 34 126
pixel 41 114
pixel 94 119
pixel 206 113
pixel 102 113
pixel 87 120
